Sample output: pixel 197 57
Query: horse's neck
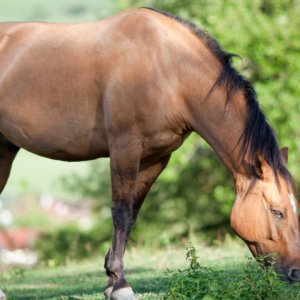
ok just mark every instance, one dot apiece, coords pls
pixel 219 124
pixel 222 128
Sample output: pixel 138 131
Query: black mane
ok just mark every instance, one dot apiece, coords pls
pixel 258 134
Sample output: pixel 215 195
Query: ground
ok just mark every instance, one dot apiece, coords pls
pixel 144 271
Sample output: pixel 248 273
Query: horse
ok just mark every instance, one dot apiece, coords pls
pixel 133 87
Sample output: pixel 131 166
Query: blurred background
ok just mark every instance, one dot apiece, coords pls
pixel 53 212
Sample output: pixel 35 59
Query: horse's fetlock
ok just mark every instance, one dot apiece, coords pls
pixel 115 269
pixel 121 284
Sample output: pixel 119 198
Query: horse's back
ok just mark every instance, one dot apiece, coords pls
pixel 67 89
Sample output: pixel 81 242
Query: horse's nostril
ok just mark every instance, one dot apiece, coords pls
pixel 295 274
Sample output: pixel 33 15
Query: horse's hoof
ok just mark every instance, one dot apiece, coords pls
pixel 106 293
pixel 123 294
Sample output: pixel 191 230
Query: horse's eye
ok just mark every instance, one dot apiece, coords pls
pixel 277 213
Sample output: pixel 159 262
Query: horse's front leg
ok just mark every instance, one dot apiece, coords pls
pixel 124 165
pixel 148 172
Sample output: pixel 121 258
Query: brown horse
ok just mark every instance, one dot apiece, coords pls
pixel 133 87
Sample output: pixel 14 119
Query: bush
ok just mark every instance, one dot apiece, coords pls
pixel 255 282
pixel 68 243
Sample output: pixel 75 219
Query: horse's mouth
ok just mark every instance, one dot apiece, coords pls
pixel 292 276
pixel 286 279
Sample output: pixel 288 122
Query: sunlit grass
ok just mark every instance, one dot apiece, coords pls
pixel 145 269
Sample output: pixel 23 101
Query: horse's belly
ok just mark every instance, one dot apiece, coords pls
pixel 73 137
pixel 76 151
pixel 63 148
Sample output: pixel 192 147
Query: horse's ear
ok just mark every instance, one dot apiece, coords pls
pixel 262 169
pixel 284 153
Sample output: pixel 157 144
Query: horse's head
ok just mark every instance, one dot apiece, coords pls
pixel 266 218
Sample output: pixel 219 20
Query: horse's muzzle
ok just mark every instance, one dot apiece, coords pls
pixel 294 274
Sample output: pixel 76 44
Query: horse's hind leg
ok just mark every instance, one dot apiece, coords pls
pixel 117 287
pixel 8 153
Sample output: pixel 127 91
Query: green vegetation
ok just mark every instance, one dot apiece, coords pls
pixel 220 273
pixel 254 282
pixel 57 246
pixel 86 279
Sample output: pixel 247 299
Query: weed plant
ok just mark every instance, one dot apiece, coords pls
pixel 255 282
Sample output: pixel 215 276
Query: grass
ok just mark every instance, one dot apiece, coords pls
pixel 221 271
pixel 144 271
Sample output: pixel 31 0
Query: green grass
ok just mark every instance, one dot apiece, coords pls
pixel 86 280
pixel 223 271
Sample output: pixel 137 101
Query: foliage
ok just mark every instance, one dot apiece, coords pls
pixel 68 243
pixel 254 282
